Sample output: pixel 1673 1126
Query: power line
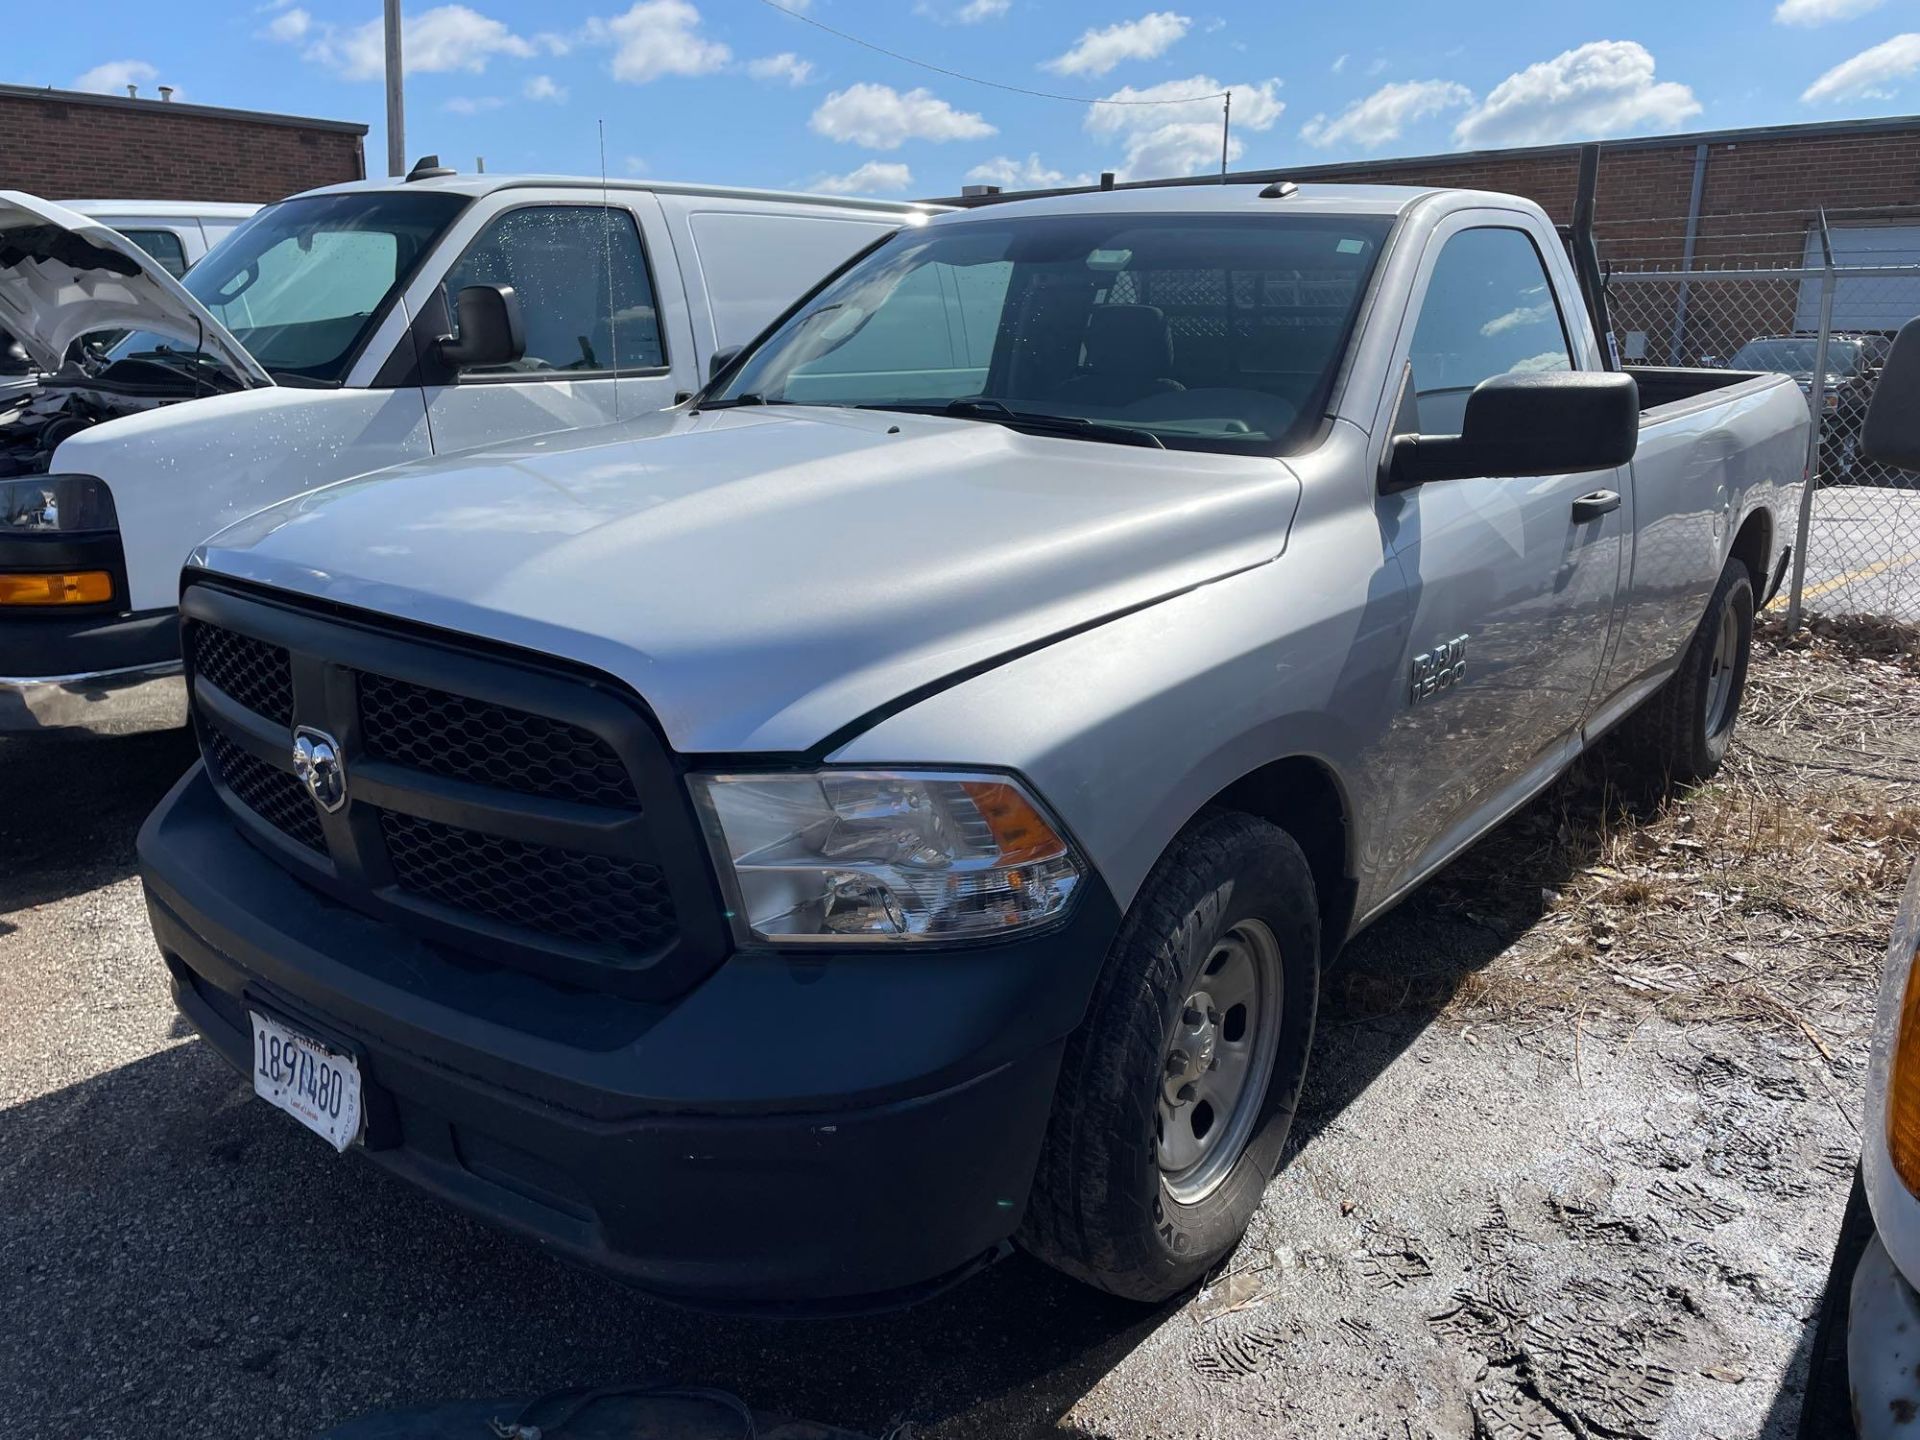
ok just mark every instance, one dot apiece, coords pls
pixel 975 79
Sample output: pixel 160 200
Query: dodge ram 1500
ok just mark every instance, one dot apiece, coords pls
pixel 900 802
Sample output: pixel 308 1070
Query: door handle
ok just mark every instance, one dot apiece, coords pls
pixel 1592 507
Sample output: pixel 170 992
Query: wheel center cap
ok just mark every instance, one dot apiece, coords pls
pixel 1195 1041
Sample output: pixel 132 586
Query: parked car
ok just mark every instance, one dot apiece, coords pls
pixel 175 232
pixel 1883 1323
pixel 340 331
pixel 1853 365
pixel 901 801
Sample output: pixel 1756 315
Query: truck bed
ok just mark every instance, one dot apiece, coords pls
pixel 1669 384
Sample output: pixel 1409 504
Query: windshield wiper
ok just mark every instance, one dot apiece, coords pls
pixel 1076 427
pixel 750 398
pixel 192 362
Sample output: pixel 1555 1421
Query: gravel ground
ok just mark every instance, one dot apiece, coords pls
pixel 1573 1157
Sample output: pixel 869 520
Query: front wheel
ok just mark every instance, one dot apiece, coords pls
pixel 1684 730
pixel 1177 1091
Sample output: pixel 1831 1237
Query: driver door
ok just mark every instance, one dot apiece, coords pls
pixel 595 351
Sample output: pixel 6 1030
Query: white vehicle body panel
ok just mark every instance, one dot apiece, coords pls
pixel 47 303
pixel 179 472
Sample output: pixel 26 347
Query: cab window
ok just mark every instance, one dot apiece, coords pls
pixel 164 246
pixel 580 275
pixel 1489 310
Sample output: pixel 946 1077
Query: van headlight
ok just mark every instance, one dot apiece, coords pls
pixel 1896 1057
pixel 69 504
pixel 885 855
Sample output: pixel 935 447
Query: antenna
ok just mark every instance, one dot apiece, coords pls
pixel 606 230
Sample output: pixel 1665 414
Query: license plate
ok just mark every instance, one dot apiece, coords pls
pixel 319 1087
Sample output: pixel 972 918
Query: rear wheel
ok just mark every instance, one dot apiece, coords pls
pixel 1178 1090
pixel 1684 730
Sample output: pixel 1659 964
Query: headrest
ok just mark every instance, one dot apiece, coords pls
pixel 1129 340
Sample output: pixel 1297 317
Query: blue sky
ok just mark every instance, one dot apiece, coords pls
pixel 736 91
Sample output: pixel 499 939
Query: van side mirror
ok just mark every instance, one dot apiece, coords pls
pixel 720 360
pixel 1891 434
pixel 491 332
pixel 1557 423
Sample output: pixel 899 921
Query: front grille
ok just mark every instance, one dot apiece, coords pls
pixel 569 848
pixel 256 674
pixel 467 739
pixel 273 794
pixel 599 900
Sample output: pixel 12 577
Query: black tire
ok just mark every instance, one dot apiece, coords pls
pixel 1673 732
pixel 1100 1209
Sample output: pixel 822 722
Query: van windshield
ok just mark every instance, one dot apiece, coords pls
pixel 1794 355
pixel 1204 332
pixel 303 282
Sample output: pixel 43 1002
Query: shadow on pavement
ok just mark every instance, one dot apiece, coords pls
pixel 69 810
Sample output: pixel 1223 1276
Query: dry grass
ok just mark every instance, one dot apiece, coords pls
pixel 1764 897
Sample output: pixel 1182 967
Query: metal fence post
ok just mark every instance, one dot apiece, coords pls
pixel 1817 404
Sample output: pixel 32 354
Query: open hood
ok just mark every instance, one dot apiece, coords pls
pixel 63 275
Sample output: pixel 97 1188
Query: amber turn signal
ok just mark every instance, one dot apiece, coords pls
pixel 1903 1089
pixel 69 587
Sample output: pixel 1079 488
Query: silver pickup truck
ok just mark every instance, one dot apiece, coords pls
pixel 901 801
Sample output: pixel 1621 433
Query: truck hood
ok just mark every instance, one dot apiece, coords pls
pixel 765 578
pixel 63 275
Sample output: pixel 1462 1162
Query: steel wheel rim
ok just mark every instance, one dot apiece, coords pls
pixel 1720 670
pixel 1217 1062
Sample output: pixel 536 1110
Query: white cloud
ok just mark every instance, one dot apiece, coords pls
pixel 874 177
pixel 1027 174
pixel 974 11
pixel 881 118
pixel 289 26
pixel 445 38
pixel 472 104
pixel 636 164
pixel 785 66
pixel 1372 122
pixel 1098 51
pixel 658 37
pixel 1870 74
pixel 553 43
pixel 1184 139
pixel 113 77
pixel 1339 63
pixel 1820 12
pixel 542 87
pixel 1605 87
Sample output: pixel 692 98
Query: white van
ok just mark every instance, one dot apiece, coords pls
pixel 177 233
pixel 340 331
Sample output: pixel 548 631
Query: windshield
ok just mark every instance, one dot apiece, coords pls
pixel 1794 355
pixel 302 282
pixel 1204 332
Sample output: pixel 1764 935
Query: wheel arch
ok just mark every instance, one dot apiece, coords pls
pixel 1753 547
pixel 1304 796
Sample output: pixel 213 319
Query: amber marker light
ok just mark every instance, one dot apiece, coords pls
pixel 61 587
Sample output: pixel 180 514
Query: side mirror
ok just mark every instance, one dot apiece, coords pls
pixel 490 329
pixel 1557 423
pixel 1891 434
pixel 720 360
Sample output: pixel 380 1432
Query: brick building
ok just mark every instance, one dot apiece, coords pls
pixel 65 144
pixel 1728 199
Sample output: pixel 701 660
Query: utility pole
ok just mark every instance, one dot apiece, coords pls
pixel 1226 128
pixel 396 97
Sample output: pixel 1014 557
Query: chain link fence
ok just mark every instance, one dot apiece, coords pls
pixel 1825 315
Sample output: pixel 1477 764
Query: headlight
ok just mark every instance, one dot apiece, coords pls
pixel 1896 1057
pixel 862 855
pixel 66 503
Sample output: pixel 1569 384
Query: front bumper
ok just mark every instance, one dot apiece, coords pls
pixel 832 1132
pixel 1883 1348
pixel 102 676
